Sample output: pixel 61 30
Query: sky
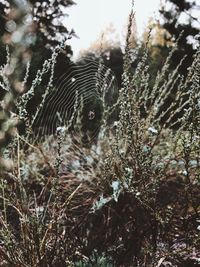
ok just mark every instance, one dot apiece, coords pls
pixel 90 17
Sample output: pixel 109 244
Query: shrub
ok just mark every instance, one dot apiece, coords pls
pixel 128 199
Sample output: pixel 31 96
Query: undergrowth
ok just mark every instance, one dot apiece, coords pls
pixel 129 198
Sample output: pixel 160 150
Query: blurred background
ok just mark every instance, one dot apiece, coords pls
pixel 90 25
pixel 32 29
pixel 109 18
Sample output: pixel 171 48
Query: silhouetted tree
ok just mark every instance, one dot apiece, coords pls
pixel 32 29
pixel 41 25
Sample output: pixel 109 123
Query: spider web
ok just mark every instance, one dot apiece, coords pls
pixel 78 100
